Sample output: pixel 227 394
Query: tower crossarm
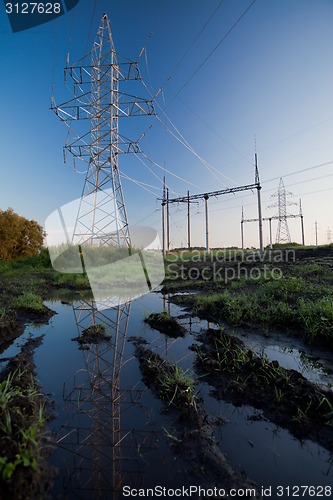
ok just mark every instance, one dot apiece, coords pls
pixel 79 148
pixel 126 105
pixel 81 75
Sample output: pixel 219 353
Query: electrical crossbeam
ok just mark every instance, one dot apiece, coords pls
pixel 205 196
pixel 274 217
pixel 122 146
pixel 129 106
pixel 220 192
pixel 80 75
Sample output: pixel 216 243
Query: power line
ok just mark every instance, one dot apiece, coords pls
pixel 296 133
pixel 168 171
pixel 180 138
pixel 90 27
pixel 212 51
pixel 195 39
pixel 143 185
pixel 267 191
pixel 300 171
pixel 315 192
pixel 185 143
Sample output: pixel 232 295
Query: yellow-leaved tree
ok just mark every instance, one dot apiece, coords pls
pixel 19 237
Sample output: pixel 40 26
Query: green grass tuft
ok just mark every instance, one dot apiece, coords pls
pixel 29 301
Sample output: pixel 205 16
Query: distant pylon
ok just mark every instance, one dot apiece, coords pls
pixel 282 233
pixel 102 217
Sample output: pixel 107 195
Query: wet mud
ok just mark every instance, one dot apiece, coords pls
pixel 285 396
pixel 192 435
pixel 25 446
pixel 166 324
pixel 94 334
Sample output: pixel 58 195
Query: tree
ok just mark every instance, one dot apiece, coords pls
pixel 19 237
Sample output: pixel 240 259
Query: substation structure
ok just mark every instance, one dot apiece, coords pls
pixel 188 199
pixel 279 219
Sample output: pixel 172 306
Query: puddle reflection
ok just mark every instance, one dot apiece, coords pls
pixel 109 426
pixel 98 443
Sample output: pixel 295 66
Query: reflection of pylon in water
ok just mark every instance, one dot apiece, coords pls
pixel 93 433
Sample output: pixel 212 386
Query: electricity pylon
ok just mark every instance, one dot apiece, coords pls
pixel 282 233
pixel 92 117
pixel 98 104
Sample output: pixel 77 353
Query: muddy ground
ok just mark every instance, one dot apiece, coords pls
pixel 166 324
pixel 25 445
pixel 193 435
pixel 237 375
pixel 285 397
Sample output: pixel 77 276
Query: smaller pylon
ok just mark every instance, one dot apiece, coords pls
pixel 282 233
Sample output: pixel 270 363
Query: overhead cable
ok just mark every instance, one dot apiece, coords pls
pixel 212 52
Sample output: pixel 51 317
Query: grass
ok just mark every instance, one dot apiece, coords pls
pixel 240 375
pixel 170 381
pixel 165 323
pixel 308 269
pixel 25 283
pixel 70 279
pixel 294 293
pixel 22 418
pixel 94 334
pixel 288 302
pixel 177 383
pixel 29 301
pixel 26 265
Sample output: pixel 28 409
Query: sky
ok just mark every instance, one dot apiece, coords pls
pixel 233 77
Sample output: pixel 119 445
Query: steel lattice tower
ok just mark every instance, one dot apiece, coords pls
pixel 102 217
pixel 282 233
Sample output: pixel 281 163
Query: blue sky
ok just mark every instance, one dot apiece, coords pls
pixel 268 82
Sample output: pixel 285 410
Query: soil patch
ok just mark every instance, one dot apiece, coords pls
pixel 166 324
pixel 94 334
pixel 193 438
pixel 25 473
pixel 288 399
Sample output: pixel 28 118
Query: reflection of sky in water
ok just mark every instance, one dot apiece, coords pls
pixel 293 358
pixel 313 366
pixel 269 455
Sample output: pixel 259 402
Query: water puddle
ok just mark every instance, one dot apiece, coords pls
pixel 110 430
pixel 315 364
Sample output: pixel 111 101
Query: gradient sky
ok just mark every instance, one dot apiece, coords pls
pixel 267 84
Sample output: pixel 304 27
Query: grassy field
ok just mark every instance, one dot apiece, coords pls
pixel 24 284
pixel 292 290
pixel 288 288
